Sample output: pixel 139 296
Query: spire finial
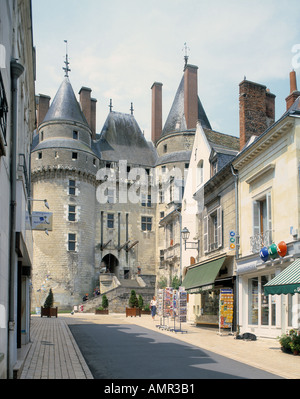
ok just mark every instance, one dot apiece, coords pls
pixel 131 109
pixel 66 68
pixel 186 56
pixel 110 105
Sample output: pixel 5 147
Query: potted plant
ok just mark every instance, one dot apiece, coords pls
pixel 285 341
pixel 104 308
pixel 295 342
pixel 48 310
pixel 133 309
pixel 146 309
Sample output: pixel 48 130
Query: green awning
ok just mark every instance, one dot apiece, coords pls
pixel 286 282
pixel 202 277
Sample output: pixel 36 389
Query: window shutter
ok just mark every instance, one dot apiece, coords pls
pixel 205 234
pixel 256 223
pixel 269 217
pixel 219 227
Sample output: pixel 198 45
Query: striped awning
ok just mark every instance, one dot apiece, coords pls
pixel 286 282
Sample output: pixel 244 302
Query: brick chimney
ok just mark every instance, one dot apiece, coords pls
pixel 257 110
pixel 294 93
pixel 156 126
pixel 93 117
pixel 42 107
pixel 191 95
pixel 88 107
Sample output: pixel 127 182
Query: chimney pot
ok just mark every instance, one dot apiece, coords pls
pixel 156 127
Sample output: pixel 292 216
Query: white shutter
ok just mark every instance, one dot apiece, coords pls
pixel 219 227
pixel 269 217
pixel 256 221
pixel 205 234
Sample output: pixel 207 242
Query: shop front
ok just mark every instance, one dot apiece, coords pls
pixel 204 283
pixel 262 311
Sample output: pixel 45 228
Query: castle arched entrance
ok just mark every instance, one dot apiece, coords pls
pixel 111 263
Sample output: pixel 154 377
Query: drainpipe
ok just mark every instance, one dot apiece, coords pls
pixel 236 176
pixel 16 71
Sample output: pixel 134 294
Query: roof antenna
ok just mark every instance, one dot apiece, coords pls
pixel 186 56
pixel 66 68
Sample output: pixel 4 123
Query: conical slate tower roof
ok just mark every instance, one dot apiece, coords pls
pixel 122 139
pixel 65 105
pixel 176 120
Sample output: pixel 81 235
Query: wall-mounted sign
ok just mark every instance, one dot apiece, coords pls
pixel 41 221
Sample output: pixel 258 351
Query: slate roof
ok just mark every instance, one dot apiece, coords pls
pixel 122 139
pixel 65 105
pixel 177 156
pixel 176 121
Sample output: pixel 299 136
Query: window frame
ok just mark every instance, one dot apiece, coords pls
pixel 213 230
pixel 146 222
pixel 110 221
pixel 72 240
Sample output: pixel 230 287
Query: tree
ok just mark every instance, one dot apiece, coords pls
pixel 133 301
pixel 104 302
pixel 176 283
pixel 49 300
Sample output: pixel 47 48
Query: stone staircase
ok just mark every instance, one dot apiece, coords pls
pixel 118 297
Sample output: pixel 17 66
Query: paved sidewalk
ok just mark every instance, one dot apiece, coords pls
pixel 54 353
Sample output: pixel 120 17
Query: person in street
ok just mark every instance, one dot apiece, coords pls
pixel 153 305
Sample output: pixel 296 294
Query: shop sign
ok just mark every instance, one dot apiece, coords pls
pixel 226 309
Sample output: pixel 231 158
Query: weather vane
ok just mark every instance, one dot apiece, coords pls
pixel 186 56
pixel 66 68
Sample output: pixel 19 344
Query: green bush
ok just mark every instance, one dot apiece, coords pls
pixel 104 302
pixel 49 300
pixel 140 302
pixel 133 301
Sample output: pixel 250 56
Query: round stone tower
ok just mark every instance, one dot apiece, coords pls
pixel 63 169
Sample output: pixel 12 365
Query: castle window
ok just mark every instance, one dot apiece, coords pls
pixel 72 187
pixel 75 135
pixel 163 169
pixel 110 220
pixel 40 155
pixel 165 148
pixel 74 155
pixel 146 200
pixel 72 242
pixel 42 136
pixel 146 223
pixel 72 213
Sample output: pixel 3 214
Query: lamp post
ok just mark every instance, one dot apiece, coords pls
pixel 185 234
pixel 45 202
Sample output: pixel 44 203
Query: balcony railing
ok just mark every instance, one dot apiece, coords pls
pixel 258 241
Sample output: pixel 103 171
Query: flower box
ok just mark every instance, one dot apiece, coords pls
pixel 101 311
pixel 48 312
pixel 133 312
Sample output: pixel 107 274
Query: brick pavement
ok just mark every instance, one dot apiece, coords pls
pixel 53 352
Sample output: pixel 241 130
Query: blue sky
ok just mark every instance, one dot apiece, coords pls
pixel 118 48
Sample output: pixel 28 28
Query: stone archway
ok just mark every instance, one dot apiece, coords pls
pixel 111 263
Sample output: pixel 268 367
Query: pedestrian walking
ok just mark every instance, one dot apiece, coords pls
pixel 153 305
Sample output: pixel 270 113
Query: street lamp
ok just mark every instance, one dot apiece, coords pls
pixel 185 233
pixel 45 202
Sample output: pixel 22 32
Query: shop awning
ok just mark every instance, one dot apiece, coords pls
pixel 286 282
pixel 202 277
